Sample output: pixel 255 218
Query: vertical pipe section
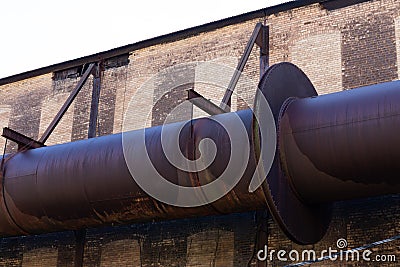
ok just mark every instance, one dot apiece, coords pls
pixel 343 145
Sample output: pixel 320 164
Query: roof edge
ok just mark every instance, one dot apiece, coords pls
pixel 166 38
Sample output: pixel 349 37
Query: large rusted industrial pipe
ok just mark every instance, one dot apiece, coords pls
pixel 329 148
pixel 343 145
pixel 87 183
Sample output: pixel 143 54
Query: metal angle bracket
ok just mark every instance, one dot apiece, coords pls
pixel 206 105
pixel 260 36
pixel 67 104
pixel 23 141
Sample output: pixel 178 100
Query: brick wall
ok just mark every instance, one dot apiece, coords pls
pixel 4 119
pixel 217 246
pixel 397 27
pixel 128 253
pixel 338 49
pixel 50 106
pixel 40 257
pixel 322 50
pixel 24 101
pixel 367 43
pixel 360 222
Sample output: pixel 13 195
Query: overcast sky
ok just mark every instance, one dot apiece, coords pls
pixel 38 33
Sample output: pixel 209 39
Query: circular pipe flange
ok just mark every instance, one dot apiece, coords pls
pixel 302 222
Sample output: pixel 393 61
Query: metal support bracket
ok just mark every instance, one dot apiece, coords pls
pixel 67 104
pixel 260 37
pixel 23 141
pixel 94 107
pixel 203 103
pixel 263 42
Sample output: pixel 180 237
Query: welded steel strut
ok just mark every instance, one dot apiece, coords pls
pixel 331 147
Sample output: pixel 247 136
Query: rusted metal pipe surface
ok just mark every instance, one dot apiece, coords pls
pixel 87 183
pixel 343 145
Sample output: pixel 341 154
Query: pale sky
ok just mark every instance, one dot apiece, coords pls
pixel 38 33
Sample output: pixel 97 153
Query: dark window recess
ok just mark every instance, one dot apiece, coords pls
pixel 116 62
pixel 74 72
pixel 336 4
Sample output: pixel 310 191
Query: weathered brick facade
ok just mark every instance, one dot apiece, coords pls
pixel 338 48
